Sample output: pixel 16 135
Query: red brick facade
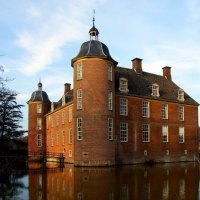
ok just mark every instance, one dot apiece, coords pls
pixel 90 126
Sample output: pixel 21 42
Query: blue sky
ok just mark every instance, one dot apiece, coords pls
pixel 38 39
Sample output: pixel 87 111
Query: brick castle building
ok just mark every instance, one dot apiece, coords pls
pixel 114 115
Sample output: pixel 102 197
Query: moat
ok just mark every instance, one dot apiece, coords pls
pixel 159 181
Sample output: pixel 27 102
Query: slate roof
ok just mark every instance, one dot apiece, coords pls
pixel 141 85
pixel 39 95
pixel 94 48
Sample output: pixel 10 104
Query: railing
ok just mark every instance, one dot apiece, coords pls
pixel 46 154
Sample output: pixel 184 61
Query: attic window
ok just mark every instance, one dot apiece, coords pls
pixel 63 100
pixel 155 90
pixel 181 95
pixel 123 85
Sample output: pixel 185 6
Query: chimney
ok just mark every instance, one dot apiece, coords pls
pixel 67 87
pixel 167 73
pixel 137 65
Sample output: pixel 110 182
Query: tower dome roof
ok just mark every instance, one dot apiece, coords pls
pixel 39 95
pixel 94 48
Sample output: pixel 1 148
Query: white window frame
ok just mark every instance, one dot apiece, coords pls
pixel 63 137
pixel 145 109
pixel 70 153
pixel 63 117
pixel 110 100
pixel 181 135
pixel 57 119
pixel 39 140
pixel 146 133
pixel 123 132
pixel 123 106
pixel 52 121
pixel 79 71
pixel 181 95
pixel 70 136
pixel 39 108
pixel 123 85
pixel 110 128
pixel 57 138
pixel 164 133
pixel 109 72
pixel 79 99
pixel 39 123
pixel 155 90
pixel 79 128
pixel 70 114
pixel 181 113
pixel 164 111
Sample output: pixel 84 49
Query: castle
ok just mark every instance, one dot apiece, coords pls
pixel 114 115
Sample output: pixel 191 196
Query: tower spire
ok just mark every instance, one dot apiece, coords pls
pixel 93 31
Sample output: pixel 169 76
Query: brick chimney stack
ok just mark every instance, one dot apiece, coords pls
pixel 67 87
pixel 137 65
pixel 167 73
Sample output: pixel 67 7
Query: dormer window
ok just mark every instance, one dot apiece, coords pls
pixel 63 100
pixel 52 106
pixel 181 95
pixel 123 85
pixel 155 90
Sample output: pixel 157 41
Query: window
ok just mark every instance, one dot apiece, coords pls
pixel 123 85
pixel 39 108
pixel 123 106
pixel 63 137
pixel 109 72
pixel 39 123
pixel 155 90
pixel 79 99
pixel 123 132
pixel 146 133
pixel 70 153
pixel 110 128
pixel 79 71
pixel 52 122
pixel 63 100
pixel 145 109
pixel 181 135
pixel 39 140
pixel 181 113
pixel 63 117
pixel 109 100
pixel 57 138
pixel 165 133
pixel 70 136
pixel 164 111
pixel 47 140
pixel 79 129
pixel 52 140
pixel 181 95
pixel 70 114
pixel 57 119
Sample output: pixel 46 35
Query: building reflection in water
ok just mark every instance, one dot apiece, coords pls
pixel 161 181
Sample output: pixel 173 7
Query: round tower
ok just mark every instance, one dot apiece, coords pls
pixel 94 103
pixel 38 106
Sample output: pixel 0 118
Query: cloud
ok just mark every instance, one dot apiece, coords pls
pixel 50 30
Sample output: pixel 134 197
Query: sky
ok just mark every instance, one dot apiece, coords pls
pixel 38 39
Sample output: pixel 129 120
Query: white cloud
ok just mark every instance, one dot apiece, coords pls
pixel 50 31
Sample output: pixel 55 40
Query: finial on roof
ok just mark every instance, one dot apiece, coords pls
pixel 93 31
pixel 40 86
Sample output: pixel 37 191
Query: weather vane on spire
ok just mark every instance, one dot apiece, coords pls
pixel 93 16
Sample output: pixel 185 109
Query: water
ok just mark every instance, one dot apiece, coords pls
pixel 161 181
